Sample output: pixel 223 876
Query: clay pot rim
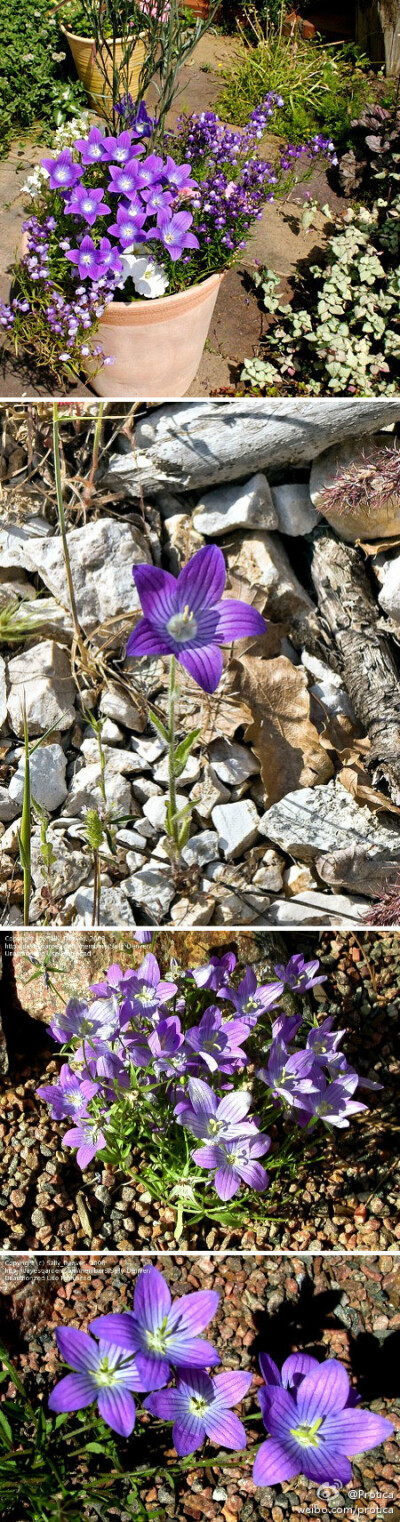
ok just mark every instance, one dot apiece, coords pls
pixel 77 36
pixel 159 305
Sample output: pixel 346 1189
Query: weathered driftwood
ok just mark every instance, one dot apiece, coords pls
pixel 371 678
pixel 192 445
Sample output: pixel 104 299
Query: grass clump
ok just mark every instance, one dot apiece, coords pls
pixel 323 87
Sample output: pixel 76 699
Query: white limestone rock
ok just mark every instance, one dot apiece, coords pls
pixel 247 506
pixel 152 890
pixel 315 820
pixel 294 508
pixel 102 554
pixel 237 826
pixel 41 676
pixel 232 763
pixel 47 776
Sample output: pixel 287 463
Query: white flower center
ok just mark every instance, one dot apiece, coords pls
pixel 197 1405
pixel 104 1375
pixel 182 626
pixel 307 1436
pixel 73 1097
pixel 157 1341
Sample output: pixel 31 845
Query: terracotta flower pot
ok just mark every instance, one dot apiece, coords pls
pixel 200 8
pixel 98 81
pixel 156 344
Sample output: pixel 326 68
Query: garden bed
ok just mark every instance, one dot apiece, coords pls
pixel 344 1308
pixel 336 1191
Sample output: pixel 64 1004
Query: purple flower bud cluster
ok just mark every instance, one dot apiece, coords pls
pixel 191 1071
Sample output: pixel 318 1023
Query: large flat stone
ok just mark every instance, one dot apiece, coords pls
pixel 247 506
pixel 315 820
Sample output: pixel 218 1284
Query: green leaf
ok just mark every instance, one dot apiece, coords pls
pixel 183 751
pixel 158 724
pixel 5 1425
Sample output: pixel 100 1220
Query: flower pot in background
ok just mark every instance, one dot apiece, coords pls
pixel 98 81
pixel 200 8
pixel 156 344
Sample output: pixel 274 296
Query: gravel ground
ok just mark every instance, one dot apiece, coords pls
pixel 287 824
pixel 342 1194
pixel 342 1307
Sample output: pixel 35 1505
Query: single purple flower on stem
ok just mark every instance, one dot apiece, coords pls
pixel 119 150
pixel 86 203
pixel 187 616
pixel 174 232
pixel 146 990
pixel 161 1332
pixel 88 1138
pixel 213 974
pixel 179 175
pixel 92 149
pixel 235 1162
pixel 167 1045
pixel 80 1019
pixel 332 1102
pixel 299 975
pixel 112 981
pixel 217 1044
pixel 290 1078
pixel 200 1407
pixel 251 999
pixel 62 171
pixel 314 1426
pixel 129 227
pixel 102 1373
pixel 209 1118
pixel 323 1042
pixel 87 258
pixel 70 1096
pixel 123 179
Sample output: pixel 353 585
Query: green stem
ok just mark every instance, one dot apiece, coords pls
pixel 61 519
pixel 171 750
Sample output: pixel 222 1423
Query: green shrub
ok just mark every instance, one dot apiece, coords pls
pixel 35 82
pixel 323 88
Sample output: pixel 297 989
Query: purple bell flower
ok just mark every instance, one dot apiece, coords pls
pixel 290 1078
pixel 102 1373
pixel 234 1163
pixel 200 1407
pixel 88 1138
pixel 188 618
pixel 146 990
pixel 92 149
pixel 209 1118
pixel 251 999
pixel 70 1095
pixel 63 173
pixel 174 232
pixel 159 1332
pixel 87 203
pixel 217 1044
pixel 315 1427
pixel 299 975
pixel 213 974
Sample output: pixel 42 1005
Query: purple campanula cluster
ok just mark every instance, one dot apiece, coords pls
pixel 182 1044
pixel 115 220
pixel 311 1410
